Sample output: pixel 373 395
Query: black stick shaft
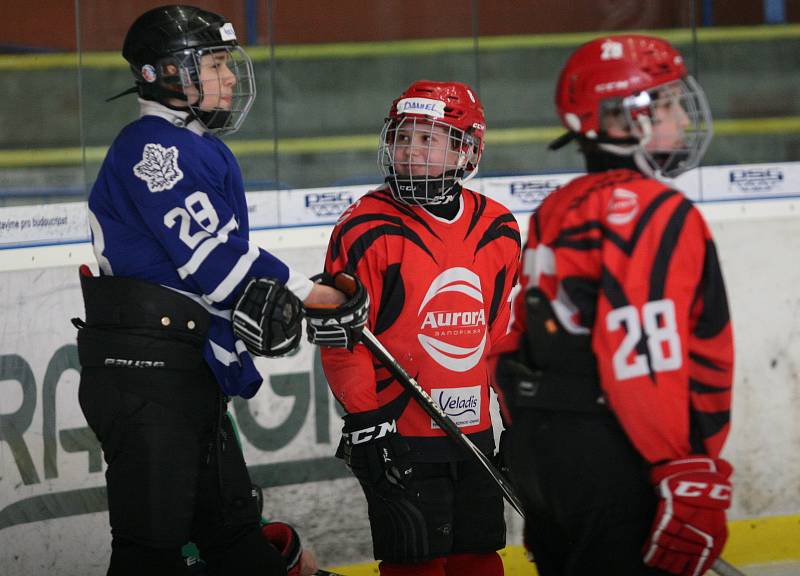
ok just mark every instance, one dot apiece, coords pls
pixel 434 411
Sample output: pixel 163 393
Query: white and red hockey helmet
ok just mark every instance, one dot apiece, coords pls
pixel 425 107
pixel 629 75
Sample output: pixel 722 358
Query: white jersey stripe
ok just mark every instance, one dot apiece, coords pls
pixel 222 355
pixel 235 276
pixel 206 248
pixel 99 244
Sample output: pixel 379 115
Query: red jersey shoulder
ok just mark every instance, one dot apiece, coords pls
pixel 375 220
pixel 583 188
pixel 488 206
pixel 614 199
pixel 489 220
pixel 374 201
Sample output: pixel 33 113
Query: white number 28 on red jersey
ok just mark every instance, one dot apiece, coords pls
pixel 661 337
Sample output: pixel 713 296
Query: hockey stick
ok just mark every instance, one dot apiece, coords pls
pixel 427 403
pixel 724 569
pixel 434 411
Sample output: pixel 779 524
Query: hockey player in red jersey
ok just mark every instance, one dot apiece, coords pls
pixel 618 368
pixel 439 261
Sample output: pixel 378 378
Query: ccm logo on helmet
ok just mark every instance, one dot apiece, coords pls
pixel 688 489
pixel 371 433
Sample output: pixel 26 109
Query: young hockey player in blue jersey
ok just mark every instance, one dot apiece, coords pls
pixel 183 300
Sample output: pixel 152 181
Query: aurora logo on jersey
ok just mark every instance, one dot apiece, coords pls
pixel 462 405
pixel 622 207
pixel 452 319
pixel 450 336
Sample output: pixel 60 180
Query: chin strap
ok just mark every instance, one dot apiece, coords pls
pixel 636 149
pixel 131 90
pixel 421 191
pixel 468 177
pixel 152 92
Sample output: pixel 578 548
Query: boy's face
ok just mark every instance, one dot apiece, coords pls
pixel 421 148
pixel 669 121
pixel 217 81
pixel 668 117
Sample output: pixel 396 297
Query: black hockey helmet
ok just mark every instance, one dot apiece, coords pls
pixel 165 48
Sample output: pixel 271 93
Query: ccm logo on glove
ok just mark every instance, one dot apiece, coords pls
pixel 700 489
pixel 371 433
pixel 689 529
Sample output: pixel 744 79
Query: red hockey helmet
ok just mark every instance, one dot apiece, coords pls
pixel 423 110
pixel 631 74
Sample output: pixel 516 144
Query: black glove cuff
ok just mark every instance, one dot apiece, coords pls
pixel 357 297
pixel 359 420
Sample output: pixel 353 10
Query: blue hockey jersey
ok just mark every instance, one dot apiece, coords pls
pixel 168 207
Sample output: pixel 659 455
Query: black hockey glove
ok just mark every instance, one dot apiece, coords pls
pixel 339 327
pixel 268 318
pixel 518 381
pixel 502 458
pixel 549 345
pixel 374 451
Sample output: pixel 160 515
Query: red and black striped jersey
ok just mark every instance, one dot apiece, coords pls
pixel 630 262
pixel 440 298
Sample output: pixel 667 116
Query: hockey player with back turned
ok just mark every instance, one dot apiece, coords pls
pixel 183 300
pixel 438 261
pixel 619 367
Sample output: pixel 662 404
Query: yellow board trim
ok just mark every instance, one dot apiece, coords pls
pixel 73 156
pixel 757 541
pixel 417 47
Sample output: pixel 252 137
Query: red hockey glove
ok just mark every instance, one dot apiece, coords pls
pixel 689 529
pixel 287 541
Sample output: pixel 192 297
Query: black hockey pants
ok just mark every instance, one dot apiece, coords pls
pixel 175 470
pixel 588 503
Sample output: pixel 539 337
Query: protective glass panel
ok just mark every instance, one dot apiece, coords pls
pixel 326 74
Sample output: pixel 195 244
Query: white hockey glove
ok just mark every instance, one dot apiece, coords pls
pixel 268 318
pixel 339 327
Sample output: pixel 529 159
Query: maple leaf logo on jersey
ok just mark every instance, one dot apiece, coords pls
pixel 159 167
pixel 453 327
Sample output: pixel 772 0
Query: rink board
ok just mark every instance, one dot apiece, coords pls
pixel 53 515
